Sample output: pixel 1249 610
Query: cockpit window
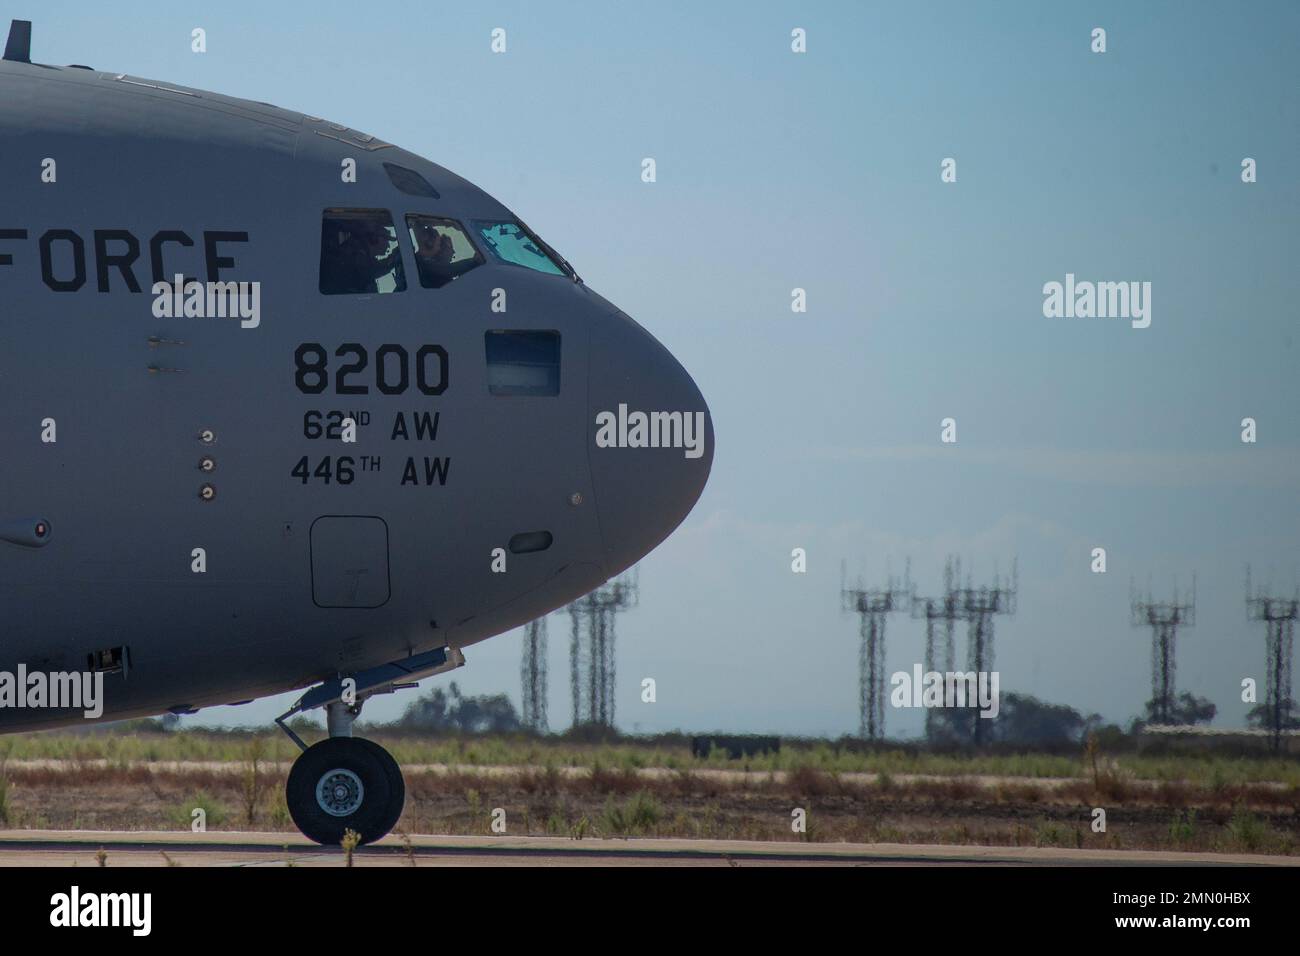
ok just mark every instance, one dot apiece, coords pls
pixel 359 253
pixel 511 242
pixel 442 250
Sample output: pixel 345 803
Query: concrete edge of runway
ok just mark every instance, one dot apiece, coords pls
pixel 32 844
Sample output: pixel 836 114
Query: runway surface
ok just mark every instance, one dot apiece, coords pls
pixel 229 848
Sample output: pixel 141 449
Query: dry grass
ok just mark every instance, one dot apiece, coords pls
pixel 124 746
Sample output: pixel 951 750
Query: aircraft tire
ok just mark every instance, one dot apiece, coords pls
pixel 342 784
pixel 396 784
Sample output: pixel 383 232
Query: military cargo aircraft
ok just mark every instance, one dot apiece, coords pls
pixel 284 406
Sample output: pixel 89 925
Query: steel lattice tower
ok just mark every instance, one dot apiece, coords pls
pixel 948 610
pixel 1164 619
pixel 1279 616
pixel 871 606
pixel 591 649
pixel 532 673
pixel 979 606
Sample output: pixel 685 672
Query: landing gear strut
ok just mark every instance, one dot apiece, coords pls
pixel 350 783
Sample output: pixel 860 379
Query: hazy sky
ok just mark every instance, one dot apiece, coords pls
pixel 821 170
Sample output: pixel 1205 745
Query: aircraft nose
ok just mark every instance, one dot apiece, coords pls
pixel 651 439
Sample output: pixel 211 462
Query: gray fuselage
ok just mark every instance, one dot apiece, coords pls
pixel 306 573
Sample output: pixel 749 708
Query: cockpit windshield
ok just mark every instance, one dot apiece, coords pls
pixel 513 243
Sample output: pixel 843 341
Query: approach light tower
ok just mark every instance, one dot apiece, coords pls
pixel 947 609
pixel 871 606
pixel 1164 619
pixel 591 649
pixel 532 673
pixel 1279 616
pixel 979 606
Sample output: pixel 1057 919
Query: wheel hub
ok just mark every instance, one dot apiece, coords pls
pixel 340 792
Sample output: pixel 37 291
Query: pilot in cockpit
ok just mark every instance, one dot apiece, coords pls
pixel 435 254
pixel 362 258
pixel 376 255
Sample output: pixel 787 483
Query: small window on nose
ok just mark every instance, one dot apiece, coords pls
pixel 523 363
pixel 409 181
pixel 528 541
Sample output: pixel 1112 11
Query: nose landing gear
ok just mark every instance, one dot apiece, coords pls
pixel 345 783
pixel 350 783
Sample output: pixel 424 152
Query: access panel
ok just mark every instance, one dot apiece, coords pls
pixel 349 561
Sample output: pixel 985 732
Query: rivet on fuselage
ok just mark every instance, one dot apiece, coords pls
pixel 207 492
pixel 207 463
pixel 575 499
pixel 207 436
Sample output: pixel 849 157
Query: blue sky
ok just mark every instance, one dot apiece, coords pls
pixel 821 171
